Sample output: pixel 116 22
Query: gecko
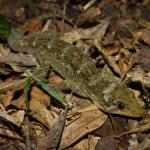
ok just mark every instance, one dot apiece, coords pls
pixel 80 72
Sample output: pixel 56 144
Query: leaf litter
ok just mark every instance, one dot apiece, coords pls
pixel 122 28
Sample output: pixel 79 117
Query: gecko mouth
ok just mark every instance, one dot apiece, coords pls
pixel 130 114
pixel 120 109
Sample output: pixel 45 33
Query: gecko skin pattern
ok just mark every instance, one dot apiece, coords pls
pixel 80 71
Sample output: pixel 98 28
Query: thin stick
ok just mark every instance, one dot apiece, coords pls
pixel 109 61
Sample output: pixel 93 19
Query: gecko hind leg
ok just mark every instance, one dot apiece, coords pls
pixel 75 87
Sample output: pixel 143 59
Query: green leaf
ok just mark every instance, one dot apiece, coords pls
pixel 5 28
pixel 27 86
pixel 58 95
pixel 147 105
pixel 31 6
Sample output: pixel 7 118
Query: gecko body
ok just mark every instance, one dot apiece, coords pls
pixel 80 71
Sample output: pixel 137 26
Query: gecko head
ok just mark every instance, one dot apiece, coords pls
pixel 120 100
pixel 17 41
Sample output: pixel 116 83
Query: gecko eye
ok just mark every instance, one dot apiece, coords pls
pixel 120 105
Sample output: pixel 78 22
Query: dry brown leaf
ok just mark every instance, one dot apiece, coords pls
pixel 137 127
pixel 139 76
pixel 19 115
pixel 6 98
pixel 97 31
pixel 11 84
pixel 123 65
pixel 89 15
pixel 11 58
pixel 128 43
pixel 39 100
pixel 8 133
pixel 52 138
pixel 42 101
pixel 15 120
pixel 145 35
pixel 46 117
pixel 37 129
pixel 88 122
pixel 145 145
pixel 138 35
pixel 33 25
pixel 38 105
pixel 116 124
pixel 144 57
pixel 108 142
pixel 12 145
pixel 88 143
pixel 12 10
pixel 112 127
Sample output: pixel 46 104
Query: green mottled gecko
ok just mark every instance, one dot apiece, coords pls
pixel 80 71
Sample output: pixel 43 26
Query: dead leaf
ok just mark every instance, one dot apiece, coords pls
pixel 88 143
pixel 145 145
pixel 145 36
pixel 97 31
pixel 6 98
pixel 39 100
pixel 110 128
pixel 144 57
pixel 33 25
pixel 139 76
pixel 38 105
pixel 8 57
pixel 88 121
pixel 51 140
pixel 108 142
pixel 88 16
pixel 15 120
pixel 13 145
pixel 137 127
pixel 46 117
pixel 37 130
pixel 19 115
pixel 123 65
pixel 9 133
